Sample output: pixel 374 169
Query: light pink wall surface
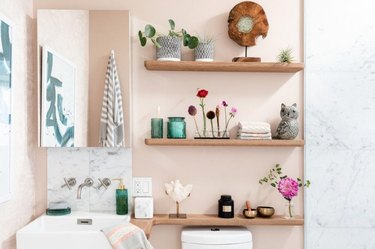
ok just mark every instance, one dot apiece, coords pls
pixel 67 33
pixel 213 171
pixel 28 165
pixel 108 30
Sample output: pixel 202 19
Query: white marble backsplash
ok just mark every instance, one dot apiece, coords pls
pixel 81 163
pixel 340 118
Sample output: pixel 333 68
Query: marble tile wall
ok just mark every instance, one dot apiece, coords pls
pixel 88 162
pixel 340 134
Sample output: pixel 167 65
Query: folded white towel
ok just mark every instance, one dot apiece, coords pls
pixel 254 127
pixel 254 138
pixel 254 135
pixel 58 205
pixel 252 132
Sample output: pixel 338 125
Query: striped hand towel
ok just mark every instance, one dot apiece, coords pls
pixel 112 117
pixel 127 236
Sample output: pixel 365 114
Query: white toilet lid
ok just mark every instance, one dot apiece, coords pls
pixel 216 235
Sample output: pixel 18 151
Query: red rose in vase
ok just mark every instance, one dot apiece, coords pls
pixel 202 93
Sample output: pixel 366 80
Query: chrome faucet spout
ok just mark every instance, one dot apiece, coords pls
pixel 87 183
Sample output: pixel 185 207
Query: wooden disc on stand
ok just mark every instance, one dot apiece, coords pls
pixel 246 22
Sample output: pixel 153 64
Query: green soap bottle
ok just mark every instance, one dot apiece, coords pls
pixel 121 198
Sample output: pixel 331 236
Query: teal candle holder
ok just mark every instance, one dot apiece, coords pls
pixel 156 128
pixel 176 127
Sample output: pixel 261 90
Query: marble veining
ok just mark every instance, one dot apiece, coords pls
pixel 340 111
pixel 88 162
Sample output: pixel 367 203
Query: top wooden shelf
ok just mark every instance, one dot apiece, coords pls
pixel 260 67
pixel 213 220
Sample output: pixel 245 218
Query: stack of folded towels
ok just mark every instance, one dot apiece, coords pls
pixel 254 130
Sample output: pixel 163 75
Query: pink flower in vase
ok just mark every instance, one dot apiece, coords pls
pixel 288 188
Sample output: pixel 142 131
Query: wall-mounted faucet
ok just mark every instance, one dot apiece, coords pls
pixel 106 182
pixel 69 183
pixel 87 183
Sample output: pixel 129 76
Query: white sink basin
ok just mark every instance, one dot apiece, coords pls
pixel 79 230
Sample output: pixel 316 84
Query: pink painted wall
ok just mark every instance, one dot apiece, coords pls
pixel 28 164
pixel 212 171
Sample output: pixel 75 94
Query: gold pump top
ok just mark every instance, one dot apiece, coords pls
pixel 121 184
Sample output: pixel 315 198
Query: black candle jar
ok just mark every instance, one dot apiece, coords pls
pixel 226 207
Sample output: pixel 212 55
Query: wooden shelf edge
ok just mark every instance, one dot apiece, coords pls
pixel 213 220
pixel 223 142
pixel 270 67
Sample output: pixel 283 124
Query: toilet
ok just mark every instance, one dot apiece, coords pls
pixel 216 238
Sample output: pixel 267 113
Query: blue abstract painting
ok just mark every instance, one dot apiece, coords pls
pixel 58 79
pixel 5 107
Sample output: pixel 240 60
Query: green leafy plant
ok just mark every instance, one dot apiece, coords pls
pixel 275 175
pixel 150 33
pixel 285 56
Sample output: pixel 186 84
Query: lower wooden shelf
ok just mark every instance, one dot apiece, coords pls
pixel 225 142
pixel 213 220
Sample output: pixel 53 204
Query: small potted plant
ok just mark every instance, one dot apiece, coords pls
pixel 285 56
pixel 205 50
pixel 168 47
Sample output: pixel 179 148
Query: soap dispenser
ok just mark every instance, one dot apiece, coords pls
pixel 121 198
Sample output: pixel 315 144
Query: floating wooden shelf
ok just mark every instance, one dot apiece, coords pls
pixel 213 220
pixel 266 67
pixel 224 142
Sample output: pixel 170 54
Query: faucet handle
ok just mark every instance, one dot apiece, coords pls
pixel 106 182
pixel 70 182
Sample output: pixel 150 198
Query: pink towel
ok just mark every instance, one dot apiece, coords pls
pixel 127 236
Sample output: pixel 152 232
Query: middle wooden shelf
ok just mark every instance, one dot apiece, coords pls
pixel 225 142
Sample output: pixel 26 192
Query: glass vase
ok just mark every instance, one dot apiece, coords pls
pixel 289 210
pixel 209 134
pixel 176 128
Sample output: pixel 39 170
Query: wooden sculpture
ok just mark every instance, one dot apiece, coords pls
pixel 246 22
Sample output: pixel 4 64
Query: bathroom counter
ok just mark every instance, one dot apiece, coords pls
pixel 213 220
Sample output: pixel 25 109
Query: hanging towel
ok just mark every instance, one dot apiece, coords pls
pixel 112 121
pixel 127 236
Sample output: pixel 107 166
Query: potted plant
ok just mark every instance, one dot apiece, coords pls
pixel 168 47
pixel 205 50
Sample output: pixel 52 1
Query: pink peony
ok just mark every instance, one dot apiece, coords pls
pixel 288 188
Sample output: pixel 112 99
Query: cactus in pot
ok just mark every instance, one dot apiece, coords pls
pixel 168 47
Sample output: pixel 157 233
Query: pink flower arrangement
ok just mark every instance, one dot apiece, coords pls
pixel 192 110
pixel 288 188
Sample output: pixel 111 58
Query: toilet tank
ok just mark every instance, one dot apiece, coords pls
pixel 216 238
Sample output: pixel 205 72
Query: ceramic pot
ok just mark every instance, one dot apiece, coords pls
pixel 204 52
pixel 170 49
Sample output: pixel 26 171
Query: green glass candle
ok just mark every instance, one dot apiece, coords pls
pixel 176 127
pixel 156 128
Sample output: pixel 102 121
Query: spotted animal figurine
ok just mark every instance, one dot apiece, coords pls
pixel 288 127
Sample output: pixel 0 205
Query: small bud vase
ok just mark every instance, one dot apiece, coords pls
pixel 211 135
pixel 289 210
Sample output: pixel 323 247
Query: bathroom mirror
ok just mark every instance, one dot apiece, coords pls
pixel 5 106
pixel 74 50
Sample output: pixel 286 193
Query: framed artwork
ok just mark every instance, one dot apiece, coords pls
pixel 5 107
pixel 57 114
